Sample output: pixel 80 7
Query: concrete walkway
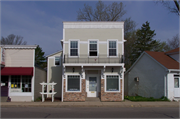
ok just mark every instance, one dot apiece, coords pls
pixel 91 104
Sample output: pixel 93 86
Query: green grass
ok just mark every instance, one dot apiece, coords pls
pixel 38 99
pixel 140 98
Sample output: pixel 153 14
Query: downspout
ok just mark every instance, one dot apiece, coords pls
pixel 62 77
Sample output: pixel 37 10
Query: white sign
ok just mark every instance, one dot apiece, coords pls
pixel 2 84
pixel 15 90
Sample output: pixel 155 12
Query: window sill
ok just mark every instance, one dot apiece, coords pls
pixel 112 91
pixel 73 91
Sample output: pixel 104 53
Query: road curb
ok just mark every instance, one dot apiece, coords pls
pixel 89 106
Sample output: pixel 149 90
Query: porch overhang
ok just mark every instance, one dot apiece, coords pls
pixel 93 64
pixel 17 71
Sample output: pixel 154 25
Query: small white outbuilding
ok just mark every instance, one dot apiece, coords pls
pixel 154 74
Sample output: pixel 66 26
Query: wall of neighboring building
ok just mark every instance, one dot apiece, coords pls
pixel 19 57
pixel 40 76
pixel 54 74
pixel 151 78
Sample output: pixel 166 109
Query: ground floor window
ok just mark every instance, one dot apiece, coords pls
pixel 112 83
pixel 73 83
pixel 21 83
pixel 176 82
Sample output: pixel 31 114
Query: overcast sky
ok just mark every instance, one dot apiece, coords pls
pixel 40 22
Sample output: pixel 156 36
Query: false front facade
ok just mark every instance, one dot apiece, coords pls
pixel 93 61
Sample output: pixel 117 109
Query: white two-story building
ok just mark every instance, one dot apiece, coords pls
pixel 20 78
pixel 92 61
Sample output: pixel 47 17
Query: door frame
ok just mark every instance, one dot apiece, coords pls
pixel 87 83
pixel 176 90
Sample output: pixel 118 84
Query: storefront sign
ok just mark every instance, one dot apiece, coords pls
pixel 15 90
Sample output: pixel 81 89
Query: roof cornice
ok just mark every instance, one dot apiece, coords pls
pixel 19 46
pixel 110 25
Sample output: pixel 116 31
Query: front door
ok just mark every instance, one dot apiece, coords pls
pixel 4 85
pixel 176 86
pixel 92 87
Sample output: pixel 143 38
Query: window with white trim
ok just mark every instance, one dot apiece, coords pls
pixel 112 83
pixel 21 83
pixel 112 48
pixel 26 83
pixel 93 48
pixel 57 60
pixel 73 83
pixel 176 82
pixel 73 48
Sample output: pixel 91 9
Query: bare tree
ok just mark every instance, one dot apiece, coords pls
pixel 174 42
pixel 174 8
pixel 13 40
pixel 102 12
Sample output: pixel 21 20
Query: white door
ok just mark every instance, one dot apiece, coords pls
pixel 92 86
pixel 176 86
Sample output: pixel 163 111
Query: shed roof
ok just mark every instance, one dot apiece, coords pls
pixel 164 59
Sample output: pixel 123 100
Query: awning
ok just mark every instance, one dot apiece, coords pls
pixel 17 71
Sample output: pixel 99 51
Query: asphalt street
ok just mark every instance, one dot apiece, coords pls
pixel 90 112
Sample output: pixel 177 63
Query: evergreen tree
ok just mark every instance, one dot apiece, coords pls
pixel 144 42
pixel 39 57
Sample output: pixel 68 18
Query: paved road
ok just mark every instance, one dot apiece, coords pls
pixel 90 112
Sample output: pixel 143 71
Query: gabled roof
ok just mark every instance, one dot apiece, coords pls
pixel 164 59
pixel 173 51
pixel 54 53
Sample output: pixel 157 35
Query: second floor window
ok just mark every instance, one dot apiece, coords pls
pixel 74 48
pixel 92 48
pixel 57 60
pixel 112 48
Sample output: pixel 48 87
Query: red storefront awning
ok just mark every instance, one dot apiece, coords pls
pixel 17 71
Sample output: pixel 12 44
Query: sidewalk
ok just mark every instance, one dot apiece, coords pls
pixel 91 104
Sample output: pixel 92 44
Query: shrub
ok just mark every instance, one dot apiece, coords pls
pixel 140 98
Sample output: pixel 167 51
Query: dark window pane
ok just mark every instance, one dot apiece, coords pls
pixel 92 53
pixel 93 46
pixel 74 52
pixel 74 44
pixel 112 44
pixel 112 83
pixel 73 83
pixel 112 52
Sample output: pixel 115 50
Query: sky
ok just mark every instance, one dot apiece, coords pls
pixel 41 22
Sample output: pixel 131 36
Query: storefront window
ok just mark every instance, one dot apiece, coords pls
pixel 26 83
pixel 73 83
pixel 112 83
pixel 21 83
pixel 15 82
